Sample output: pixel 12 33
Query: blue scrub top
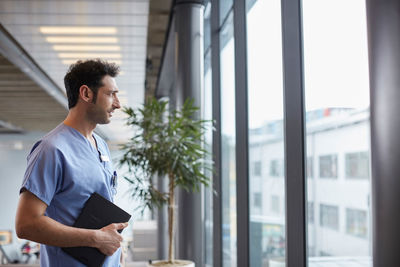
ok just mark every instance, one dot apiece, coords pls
pixel 63 170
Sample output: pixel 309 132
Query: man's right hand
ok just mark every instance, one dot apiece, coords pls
pixel 31 223
pixel 108 240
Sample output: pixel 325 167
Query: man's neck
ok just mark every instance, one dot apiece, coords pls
pixel 79 122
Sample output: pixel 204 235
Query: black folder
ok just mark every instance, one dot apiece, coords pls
pixel 97 213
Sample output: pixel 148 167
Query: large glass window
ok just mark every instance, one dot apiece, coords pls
pixel 337 130
pixel 207 114
pixel 225 6
pixel 228 138
pixel 266 145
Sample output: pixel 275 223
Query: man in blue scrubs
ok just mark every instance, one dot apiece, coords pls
pixel 69 164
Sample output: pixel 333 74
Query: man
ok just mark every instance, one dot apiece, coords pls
pixel 67 166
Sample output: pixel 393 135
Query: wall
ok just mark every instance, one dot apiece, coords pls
pixel 13 152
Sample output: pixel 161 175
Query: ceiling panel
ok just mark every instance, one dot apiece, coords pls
pixel 74 7
pixel 23 104
pixel 140 27
pixel 23 19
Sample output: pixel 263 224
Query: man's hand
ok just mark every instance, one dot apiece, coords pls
pixel 108 240
pixel 32 224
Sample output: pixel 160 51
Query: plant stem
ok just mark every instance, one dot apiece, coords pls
pixel 171 218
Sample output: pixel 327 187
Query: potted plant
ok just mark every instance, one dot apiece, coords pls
pixel 170 145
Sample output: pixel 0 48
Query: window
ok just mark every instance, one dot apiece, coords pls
pixel 257 200
pixel 356 222
pixel 208 246
pixel 310 167
pixel 310 212
pixel 228 143
pixel 265 131
pixel 336 97
pixel 328 166
pixel 276 168
pixel 257 168
pixel 329 216
pixel 275 206
pixel 357 165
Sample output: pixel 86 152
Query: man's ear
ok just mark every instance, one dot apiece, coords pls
pixel 86 94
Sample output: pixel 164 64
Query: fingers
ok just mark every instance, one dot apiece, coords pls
pixel 110 251
pixel 120 226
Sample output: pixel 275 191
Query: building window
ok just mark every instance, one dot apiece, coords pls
pixel 356 222
pixel 329 216
pixel 357 165
pixel 276 168
pixel 257 200
pixel 257 168
pixel 310 167
pixel 328 166
pixel 310 212
pixel 275 205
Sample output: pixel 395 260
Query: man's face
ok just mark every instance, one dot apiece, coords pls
pixel 106 102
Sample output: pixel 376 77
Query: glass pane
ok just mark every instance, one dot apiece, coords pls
pixel 228 146
pixel 207 26
pixel 224 7
pixel 266 147
pixel 338 142
pixel 207 109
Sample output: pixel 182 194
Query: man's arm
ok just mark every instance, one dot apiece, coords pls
pixel 32 224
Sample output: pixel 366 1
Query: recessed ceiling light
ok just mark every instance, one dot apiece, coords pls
pixel 86 40
pixel 89 55
pixel 86 48
pixel 77 30
pixel 72 61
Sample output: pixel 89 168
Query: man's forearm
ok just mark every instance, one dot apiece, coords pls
pixel 45 230
pixel 32 224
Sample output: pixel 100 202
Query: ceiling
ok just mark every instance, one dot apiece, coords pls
pixel 51 34
pixel 25 102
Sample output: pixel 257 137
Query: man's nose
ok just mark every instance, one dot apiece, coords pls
pixel 116 103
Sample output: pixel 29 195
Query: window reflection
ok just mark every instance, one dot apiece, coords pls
pixel 228 145
pixel 208 244
pixel 337 132
pixel 266 147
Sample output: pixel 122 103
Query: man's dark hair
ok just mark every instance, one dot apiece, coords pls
pixel 89 73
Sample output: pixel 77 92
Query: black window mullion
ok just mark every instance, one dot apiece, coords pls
pixel 216 142
pixel 242 179
pixel 295 182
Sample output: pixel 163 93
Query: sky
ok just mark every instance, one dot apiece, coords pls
pixel 335 59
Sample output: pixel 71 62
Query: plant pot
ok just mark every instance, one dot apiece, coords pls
pixel 177 263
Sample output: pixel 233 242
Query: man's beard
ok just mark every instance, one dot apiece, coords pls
pixel 98 115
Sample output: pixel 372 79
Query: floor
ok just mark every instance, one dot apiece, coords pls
pixel 130 264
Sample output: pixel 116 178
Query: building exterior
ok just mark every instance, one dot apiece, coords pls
pixel 338 185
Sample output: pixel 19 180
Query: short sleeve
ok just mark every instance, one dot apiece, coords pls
pixel 43 176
